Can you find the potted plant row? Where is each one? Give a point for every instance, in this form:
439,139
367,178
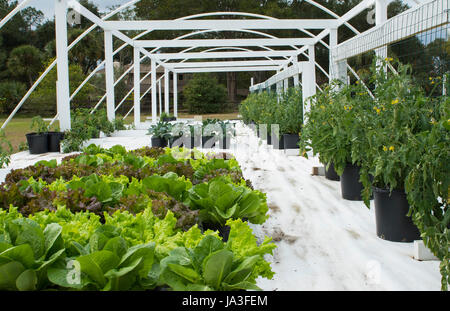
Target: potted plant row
279,118
205,135
42,140
370,141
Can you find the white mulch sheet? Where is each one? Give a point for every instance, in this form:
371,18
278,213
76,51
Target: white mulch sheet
324,242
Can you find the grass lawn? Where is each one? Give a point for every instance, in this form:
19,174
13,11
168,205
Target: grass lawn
19,126
16,129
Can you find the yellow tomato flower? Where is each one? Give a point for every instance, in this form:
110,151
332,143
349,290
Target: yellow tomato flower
391,148
385,148
395,101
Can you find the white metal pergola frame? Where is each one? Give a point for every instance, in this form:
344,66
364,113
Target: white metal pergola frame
287,65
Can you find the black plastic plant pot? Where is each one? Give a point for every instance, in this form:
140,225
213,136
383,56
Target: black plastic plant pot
331,174
54,141
177,141
269,139
278,142
37,143
208,141
351,187
168,119
391,211
291,141
159,142
225,142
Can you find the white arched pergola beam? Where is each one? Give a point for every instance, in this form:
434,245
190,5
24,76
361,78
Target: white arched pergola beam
233,13
183,18
223,24
186,50
218,55
333,14
181,37
209,50
151,30
228,69
223,42
178,38
172,66
204,15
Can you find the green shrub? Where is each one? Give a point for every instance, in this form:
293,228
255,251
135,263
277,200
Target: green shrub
203,94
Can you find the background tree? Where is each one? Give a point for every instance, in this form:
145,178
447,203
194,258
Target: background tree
43,98
11,92
24,63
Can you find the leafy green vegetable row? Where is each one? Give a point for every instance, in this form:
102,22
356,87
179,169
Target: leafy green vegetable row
62,250
136,164
217,200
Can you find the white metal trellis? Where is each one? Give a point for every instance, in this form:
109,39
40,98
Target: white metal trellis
220,59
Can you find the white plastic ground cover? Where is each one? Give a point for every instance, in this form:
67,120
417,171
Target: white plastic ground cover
324,242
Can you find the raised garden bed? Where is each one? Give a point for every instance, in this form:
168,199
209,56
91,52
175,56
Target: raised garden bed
135,211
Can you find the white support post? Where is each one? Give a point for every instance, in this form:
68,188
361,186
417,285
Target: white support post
279,89
160,97
308,86
338,69
166,90
380,17
175,94
137,87
154,91
296,77
296,81
109,75
312,65
286,84
62,84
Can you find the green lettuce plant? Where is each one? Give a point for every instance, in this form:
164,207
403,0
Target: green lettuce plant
106,263
27,252
219,201
213,265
